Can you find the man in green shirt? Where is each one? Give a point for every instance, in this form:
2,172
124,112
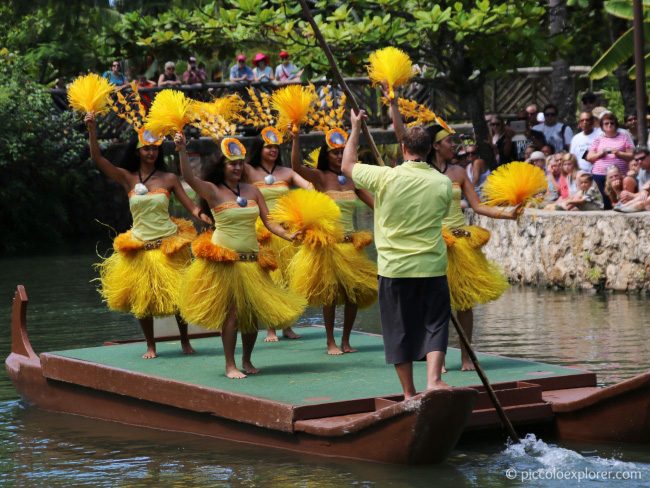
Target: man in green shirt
410,202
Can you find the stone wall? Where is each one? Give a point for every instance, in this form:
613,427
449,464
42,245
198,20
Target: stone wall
586,250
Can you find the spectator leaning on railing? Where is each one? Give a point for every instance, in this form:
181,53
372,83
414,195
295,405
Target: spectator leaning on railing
169,77
115,75
287,72
193,75
240,73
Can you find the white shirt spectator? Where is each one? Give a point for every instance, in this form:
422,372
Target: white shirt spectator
554,133
580,147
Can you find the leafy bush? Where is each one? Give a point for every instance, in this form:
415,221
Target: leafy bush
45,174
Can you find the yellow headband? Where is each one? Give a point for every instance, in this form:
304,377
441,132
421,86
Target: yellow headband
336,138
233,149
271,136
441,135
146,138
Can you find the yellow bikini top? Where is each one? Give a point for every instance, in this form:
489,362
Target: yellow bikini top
346,201
456,218
150,214
235,226
271,193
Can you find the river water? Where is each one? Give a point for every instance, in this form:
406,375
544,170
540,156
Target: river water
607,334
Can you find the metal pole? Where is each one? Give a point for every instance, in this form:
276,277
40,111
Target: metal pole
639,65
340,80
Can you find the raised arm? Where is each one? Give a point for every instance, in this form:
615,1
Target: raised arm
119,175
203,188
300,182
296,161
350,152
396,117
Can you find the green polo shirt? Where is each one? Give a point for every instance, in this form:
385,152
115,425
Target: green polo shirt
410,202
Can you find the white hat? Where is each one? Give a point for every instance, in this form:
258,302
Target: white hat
536,155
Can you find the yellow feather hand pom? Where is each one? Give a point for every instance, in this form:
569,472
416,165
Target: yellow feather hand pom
312,213
514,183
89,93
391,66
293,104
169,113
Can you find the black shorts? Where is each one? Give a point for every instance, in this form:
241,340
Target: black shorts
415,314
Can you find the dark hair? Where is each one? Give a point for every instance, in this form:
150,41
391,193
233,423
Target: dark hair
551,146
432,130
417,141
255,158
323,162
608,116
547,106
589,97
214,172
641,149
589,176
131,159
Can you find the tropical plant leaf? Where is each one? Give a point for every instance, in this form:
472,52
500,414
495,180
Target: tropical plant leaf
617,54
623,8
632,71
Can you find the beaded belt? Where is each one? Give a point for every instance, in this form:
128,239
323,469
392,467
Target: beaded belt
347,238
460,233
247,256
151,245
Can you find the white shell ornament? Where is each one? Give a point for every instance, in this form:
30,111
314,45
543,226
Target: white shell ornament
342,179
140,189
269,179
241,201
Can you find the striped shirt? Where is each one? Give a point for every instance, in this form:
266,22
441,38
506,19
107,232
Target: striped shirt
620,142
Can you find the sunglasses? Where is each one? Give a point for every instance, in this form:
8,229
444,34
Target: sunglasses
640,159
585,120
550,114
116,66
495,124
471,153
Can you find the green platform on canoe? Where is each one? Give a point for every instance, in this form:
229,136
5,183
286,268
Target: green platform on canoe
299,372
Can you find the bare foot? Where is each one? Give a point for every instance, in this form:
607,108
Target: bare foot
289,333
348,348
467,366
249,368
333,350
271,336
234,374
444,369
437,385
187,348
150,354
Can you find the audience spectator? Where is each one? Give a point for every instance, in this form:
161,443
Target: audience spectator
589,101
523,138
613,184
115,75
531,114
240,73
477,170
557,134
530,149
639,201
569,169
548,150
168,77
639,166
581,142
553,174
612,147
193,75
262,72
642,155
631,124
143,82
587,197
501,139
537,158
286,71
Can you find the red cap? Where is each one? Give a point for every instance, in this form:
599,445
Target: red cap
284,54
241,57
260,57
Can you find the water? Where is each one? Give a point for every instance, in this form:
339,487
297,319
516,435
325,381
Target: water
606,334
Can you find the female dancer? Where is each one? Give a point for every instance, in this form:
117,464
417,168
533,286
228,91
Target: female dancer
228,286
475,279
264,170
357,278
143,275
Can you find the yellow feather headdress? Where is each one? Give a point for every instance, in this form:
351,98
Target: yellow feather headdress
293,104
129,106
391,66
169,113
514,183
258,112
217,118
414,113
89,93
332,111
312,159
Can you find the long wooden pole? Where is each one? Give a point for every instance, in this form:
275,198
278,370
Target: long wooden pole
339,78
639,69
486,383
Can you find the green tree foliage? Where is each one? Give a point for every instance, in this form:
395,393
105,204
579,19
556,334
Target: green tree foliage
44,177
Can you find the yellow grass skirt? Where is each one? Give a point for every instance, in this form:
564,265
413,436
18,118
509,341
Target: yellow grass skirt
472,278
283,251
144,278
334,274
218,280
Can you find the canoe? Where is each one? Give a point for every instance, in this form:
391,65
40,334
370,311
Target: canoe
306,401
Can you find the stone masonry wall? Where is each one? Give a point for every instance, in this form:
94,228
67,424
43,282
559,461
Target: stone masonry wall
601,250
